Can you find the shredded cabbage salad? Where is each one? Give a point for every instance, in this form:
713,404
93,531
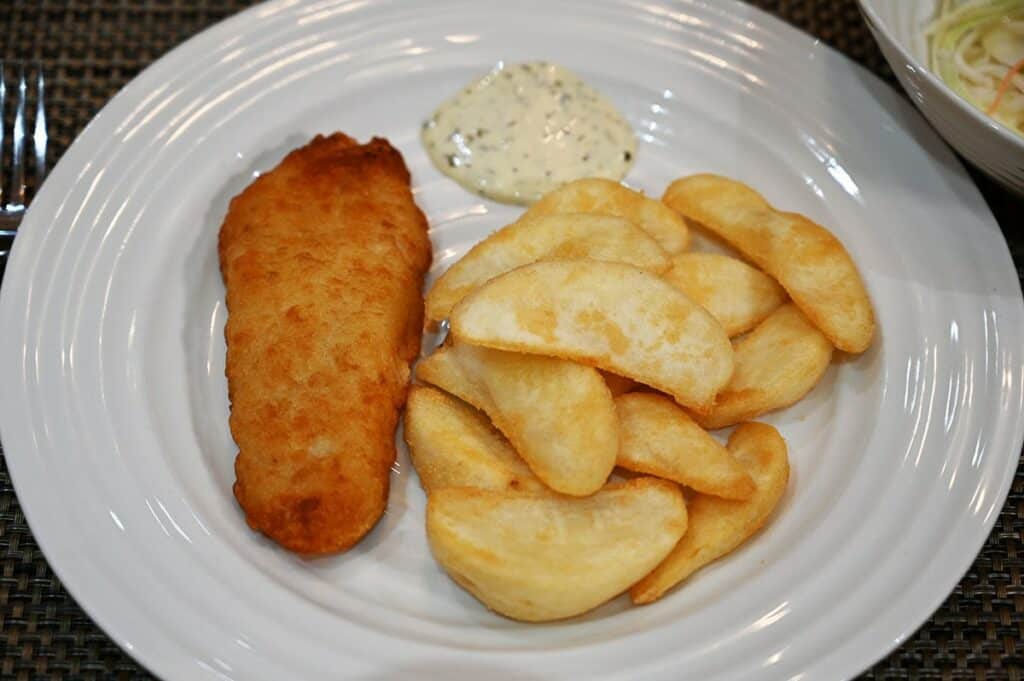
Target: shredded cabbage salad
977,47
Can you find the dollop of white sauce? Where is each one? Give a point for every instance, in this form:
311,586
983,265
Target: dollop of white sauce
525,129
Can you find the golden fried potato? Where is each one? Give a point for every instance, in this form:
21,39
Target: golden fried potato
717,526
569,235
558,415
609,315
454,445
659,438
808,260
736,294
776,365
607,197
619,385
442,369
538,558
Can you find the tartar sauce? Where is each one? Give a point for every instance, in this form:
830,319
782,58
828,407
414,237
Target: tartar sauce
524,129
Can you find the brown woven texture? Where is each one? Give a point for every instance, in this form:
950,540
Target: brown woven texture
91,48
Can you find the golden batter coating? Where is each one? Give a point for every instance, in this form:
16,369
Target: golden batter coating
323,259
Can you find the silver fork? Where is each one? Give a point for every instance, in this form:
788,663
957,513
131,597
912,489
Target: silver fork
14,198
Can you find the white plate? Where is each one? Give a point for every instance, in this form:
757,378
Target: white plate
114,410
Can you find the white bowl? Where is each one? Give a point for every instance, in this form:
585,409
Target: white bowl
898,27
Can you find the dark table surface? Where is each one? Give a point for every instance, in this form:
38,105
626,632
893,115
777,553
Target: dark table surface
91,48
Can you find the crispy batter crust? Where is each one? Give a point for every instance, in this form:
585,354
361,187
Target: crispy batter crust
323,259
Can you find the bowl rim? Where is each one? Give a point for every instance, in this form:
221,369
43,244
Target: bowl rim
875,23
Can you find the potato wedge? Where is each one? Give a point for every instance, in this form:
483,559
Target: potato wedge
558,415
612,316
736,294
569,235
607,197
717,526
539,558
451,444
776,365
659,438
808,260
442,369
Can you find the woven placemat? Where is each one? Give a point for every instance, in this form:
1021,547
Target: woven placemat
91,48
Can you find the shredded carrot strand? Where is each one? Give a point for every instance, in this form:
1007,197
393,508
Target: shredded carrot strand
1004,85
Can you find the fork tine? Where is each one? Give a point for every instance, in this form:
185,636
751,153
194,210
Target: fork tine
3,95
18,145
39,136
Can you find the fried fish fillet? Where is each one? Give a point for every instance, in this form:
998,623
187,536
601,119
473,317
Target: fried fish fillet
323,260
